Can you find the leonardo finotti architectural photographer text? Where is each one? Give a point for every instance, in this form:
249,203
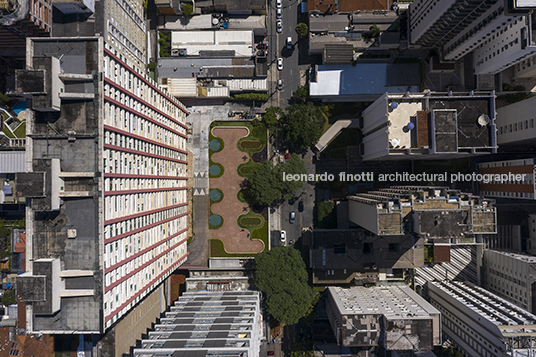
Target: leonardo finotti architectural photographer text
408,177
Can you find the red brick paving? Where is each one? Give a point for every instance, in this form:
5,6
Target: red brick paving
230,208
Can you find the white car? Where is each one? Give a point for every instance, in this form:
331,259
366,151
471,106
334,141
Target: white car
279,26
278,3
280,64
278,13
283,236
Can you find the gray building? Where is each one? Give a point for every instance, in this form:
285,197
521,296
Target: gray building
429,125
391,317
512,276
480,323
204,323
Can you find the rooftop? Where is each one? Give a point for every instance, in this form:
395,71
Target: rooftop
369,80
240,43
347,5
489,306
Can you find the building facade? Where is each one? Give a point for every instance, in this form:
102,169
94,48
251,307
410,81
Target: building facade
516,123
497,36
392,317
430,212
479,323
523,189
206,323
107,180
429,126
512,276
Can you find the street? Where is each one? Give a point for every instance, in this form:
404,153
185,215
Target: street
290,73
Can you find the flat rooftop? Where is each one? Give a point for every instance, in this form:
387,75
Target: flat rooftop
372,79
347,5
195,42
393,301
184,67
486,304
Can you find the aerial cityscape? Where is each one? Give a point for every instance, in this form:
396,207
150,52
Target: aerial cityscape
245,178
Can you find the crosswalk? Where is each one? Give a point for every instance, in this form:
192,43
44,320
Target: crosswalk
201,183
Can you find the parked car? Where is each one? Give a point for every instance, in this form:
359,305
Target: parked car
279,26
279,4
280,64
287,154
300,206
292,217
280,83
278,13
283,236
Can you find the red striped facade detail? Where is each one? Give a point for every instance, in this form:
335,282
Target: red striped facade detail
141,267
108,52
141,229
141,252
145,213
132,151
156,122
130,94
125,304
123,132
126,192
113,175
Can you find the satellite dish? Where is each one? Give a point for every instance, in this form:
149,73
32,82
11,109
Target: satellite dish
483,120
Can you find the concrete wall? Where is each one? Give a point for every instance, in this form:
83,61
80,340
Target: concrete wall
364,215
515,114
121,337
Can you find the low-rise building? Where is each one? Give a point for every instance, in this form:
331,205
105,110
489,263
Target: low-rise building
391,317
480,323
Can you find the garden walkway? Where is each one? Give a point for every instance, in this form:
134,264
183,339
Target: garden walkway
234,238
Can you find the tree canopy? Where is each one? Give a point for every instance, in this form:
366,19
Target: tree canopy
302,29
272,116
302,125
281,275
187,9
266,186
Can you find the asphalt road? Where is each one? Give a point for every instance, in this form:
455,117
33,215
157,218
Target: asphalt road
278,43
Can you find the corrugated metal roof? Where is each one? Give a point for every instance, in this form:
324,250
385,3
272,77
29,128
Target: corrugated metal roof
12,161
246,84
182,87
217,92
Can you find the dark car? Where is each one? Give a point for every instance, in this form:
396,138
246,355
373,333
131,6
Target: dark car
300,206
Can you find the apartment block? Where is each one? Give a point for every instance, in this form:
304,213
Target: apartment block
434,213
106,180
522,189
392,317
498,33
479,323
208,323
515,123
512,276
429,126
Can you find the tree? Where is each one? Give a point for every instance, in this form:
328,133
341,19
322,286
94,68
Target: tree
187,10
302,29
281,275
165,44
9,297
303,125
272,116
302,93
266,186
325,213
